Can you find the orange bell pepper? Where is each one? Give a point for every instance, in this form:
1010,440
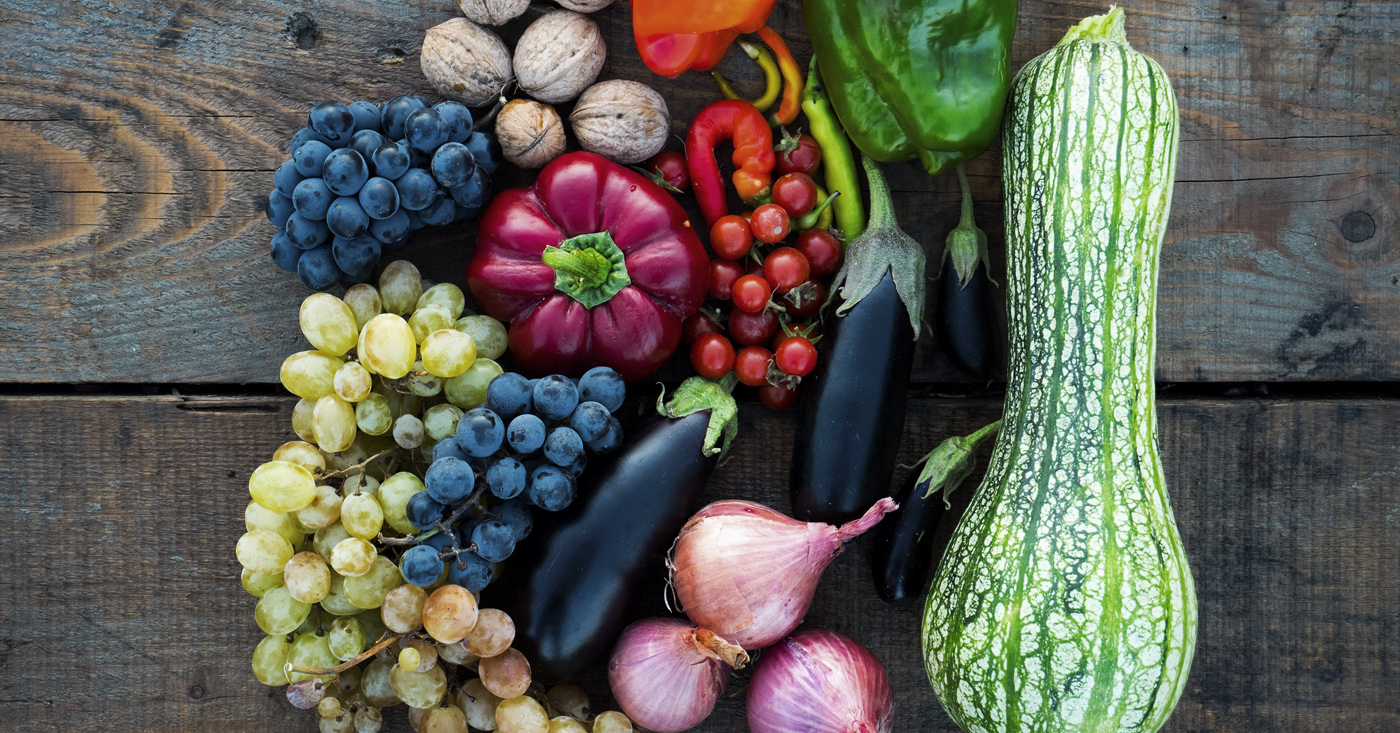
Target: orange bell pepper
676,36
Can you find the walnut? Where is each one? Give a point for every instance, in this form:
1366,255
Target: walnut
530,134
559,55
585,6
465,62
493,12
626,121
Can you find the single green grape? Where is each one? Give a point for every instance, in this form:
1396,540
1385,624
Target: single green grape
255,516
347,638
468,389
443,720
361,515
353,557
311,650
441,421
258,584
353,382
373,415
335,602
278,612
326,538
521,714
263,552
400,286
409,659
301,453
478,703
310,374
323,511
565,724
303,419
329,707
328,323
402,609
419,689
489,335
428,319
270,660
612,721
456,653
387,346
334,423
280,486
368,720
408,432
307,577
374,684
444,294
369,620
360,483
363,300
367,591
448,352
394,494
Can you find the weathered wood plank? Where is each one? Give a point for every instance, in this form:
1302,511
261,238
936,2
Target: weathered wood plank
140,139
120,606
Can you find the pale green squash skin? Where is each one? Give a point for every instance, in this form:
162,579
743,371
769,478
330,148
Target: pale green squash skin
1064,601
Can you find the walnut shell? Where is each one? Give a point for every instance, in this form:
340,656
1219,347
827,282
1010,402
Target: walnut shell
559,55
530,134
493,12
465,62
626,121
585,6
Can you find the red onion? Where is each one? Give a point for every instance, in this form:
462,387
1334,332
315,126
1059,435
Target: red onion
820,682
747,572
666,674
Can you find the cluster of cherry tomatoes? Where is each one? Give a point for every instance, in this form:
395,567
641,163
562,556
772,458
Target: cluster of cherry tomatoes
765,292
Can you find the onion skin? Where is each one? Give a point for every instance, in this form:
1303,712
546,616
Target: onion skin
820,682
666,674
748,572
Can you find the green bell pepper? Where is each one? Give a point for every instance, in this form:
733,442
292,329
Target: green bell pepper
915,78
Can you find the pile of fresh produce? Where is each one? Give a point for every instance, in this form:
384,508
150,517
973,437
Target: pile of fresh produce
362,176
420,467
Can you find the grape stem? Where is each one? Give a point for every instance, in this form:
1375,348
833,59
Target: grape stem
347,469
347,664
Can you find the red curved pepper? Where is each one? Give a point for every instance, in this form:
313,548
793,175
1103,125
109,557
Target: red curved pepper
737,121
592,265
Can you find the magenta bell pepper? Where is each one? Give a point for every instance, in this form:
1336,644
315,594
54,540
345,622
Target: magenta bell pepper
594,265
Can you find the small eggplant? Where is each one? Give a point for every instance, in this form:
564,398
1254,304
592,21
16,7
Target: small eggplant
570,586
967,322
903,551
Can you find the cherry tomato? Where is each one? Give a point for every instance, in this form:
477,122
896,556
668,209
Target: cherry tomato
805,158
770,223
751,293
752,329
796,193
670,165
796,356
696,325
785,268
723,273
805,300
731,237
751,365
712,355
777,398
822,251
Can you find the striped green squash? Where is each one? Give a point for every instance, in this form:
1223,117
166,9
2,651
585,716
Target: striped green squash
1064,601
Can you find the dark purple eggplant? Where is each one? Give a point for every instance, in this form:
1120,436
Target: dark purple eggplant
570,585
852,413
903,552
967,320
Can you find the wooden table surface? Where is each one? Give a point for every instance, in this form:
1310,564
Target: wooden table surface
141,327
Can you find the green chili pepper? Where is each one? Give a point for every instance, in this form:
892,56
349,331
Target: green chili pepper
916,78
838,164
772,76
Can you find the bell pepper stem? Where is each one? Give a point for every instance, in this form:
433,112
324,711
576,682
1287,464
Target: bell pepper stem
588,268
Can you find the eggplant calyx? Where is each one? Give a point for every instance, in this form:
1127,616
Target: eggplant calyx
589,268
948,465
967,244
696,394
882,247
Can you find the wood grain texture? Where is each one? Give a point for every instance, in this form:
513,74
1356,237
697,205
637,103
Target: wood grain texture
122,610
140,139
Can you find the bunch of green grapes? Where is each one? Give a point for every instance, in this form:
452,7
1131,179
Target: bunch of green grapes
392,372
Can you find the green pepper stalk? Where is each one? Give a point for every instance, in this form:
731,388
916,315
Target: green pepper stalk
881,248
814,217
966,245
838,163
772,77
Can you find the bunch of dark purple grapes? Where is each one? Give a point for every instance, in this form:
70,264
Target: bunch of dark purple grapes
362,176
